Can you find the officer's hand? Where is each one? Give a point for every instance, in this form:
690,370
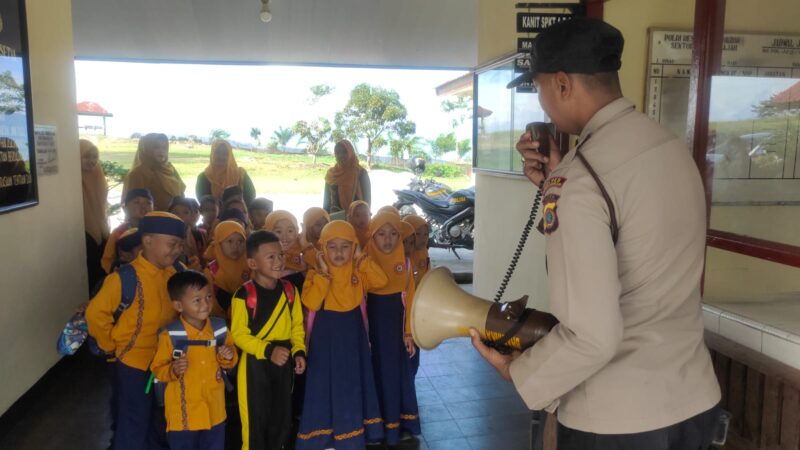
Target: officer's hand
279,356
501,362
299,365
180,366
535,165
226,352
408,341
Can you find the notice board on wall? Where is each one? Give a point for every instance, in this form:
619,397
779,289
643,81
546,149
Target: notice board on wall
754,120
17,161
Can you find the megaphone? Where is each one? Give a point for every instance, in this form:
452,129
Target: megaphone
442,310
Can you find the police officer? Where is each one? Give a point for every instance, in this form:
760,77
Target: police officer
624,219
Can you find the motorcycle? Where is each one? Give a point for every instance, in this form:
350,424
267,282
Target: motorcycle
450,215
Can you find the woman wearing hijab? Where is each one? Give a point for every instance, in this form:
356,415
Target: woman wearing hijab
223,172
152,171
95,198
345,182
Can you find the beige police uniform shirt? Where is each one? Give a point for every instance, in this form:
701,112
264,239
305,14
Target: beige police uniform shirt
628,355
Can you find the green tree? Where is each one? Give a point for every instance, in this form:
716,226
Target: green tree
115,176
318,91
219,133
372,113
12,94
444,143
255,133
315,135
464,148
459,108
403,140
282,135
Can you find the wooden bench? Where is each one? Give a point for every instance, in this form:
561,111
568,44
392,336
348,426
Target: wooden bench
762,395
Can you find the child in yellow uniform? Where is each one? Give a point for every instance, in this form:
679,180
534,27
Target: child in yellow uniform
138,202
389,312
267,325
209,210
130,332
258,210
313,221
420,260
191,361
358,214
193,245
284,225
229,270
341,407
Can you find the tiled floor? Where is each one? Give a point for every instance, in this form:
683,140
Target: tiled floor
464,405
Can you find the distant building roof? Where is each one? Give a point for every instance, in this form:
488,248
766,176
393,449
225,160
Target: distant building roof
790,95
92,109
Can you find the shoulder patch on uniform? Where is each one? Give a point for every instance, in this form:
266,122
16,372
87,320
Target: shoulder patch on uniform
549,213
554,182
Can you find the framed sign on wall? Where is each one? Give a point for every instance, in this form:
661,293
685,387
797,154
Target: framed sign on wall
17,159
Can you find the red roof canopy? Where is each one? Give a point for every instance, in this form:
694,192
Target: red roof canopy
92,109
791,95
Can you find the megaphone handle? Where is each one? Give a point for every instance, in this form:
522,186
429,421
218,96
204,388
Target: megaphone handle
514,328
526,231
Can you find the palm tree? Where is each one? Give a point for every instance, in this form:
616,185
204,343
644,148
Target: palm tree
255,133
283,135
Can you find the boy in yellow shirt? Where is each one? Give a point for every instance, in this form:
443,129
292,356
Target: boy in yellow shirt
267,325
126,327
193,352
138,202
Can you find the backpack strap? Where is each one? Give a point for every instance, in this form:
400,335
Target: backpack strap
288,289
252,297
220,328
128,280
180,338
178,266
177,335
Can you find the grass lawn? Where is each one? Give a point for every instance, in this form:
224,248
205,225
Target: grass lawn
273,173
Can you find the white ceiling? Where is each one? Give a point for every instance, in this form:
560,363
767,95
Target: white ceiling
404,33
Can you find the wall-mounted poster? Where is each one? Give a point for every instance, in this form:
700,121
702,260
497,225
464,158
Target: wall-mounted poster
17,162
754,117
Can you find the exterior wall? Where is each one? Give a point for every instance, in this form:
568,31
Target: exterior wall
42,271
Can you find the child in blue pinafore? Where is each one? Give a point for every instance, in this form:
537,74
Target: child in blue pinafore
341,407
389,311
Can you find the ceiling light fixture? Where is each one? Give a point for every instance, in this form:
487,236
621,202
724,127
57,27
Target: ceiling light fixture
265,15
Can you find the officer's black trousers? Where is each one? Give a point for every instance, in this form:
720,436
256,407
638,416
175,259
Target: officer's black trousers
694,433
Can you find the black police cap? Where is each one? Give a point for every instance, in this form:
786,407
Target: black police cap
579,45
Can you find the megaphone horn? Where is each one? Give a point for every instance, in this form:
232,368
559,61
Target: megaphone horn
442,310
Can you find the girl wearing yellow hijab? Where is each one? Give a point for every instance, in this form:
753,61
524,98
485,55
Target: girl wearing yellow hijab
229,270
284,225
420,261
152,171
313,221
389,311
341,406
95,200
223,172
358,214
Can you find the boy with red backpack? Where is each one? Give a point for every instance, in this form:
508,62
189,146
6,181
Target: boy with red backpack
267,325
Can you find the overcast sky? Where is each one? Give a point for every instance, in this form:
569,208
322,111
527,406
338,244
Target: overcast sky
184,99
